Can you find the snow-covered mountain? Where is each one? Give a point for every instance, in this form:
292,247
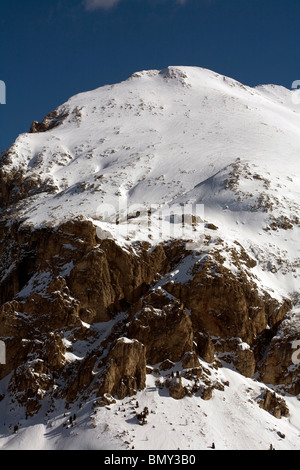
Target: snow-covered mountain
179,136
170,197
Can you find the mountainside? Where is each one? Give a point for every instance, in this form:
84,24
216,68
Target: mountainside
149,260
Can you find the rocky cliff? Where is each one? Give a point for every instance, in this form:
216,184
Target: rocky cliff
62,285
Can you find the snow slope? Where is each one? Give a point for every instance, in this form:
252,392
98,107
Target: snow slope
232,420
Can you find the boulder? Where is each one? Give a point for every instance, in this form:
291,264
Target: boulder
274,404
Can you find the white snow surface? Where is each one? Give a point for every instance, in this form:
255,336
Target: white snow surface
181,137
232,420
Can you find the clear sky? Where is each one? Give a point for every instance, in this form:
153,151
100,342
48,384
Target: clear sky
53,49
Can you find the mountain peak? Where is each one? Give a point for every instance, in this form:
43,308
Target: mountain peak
150,241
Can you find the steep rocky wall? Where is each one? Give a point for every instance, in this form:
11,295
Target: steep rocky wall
56,283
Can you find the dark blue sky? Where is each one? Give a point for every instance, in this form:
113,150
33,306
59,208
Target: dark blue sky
51,50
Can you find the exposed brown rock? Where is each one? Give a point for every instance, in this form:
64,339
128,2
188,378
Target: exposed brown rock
239,353
106,400
33,378
205,346
207,393
53,279
166,365
281,364
53,119
190,360
176,388
225,305
163,327
78,377
245,361
125,370
274,404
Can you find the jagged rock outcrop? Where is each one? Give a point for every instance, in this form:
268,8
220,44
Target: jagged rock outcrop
225,305
57,281
237,352
205,346
176,389
52,120
125,369
43,361
281,363
164,327
16,184
108,278
274,404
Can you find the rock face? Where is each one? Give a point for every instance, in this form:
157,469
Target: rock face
59,282
164,327
274,404
281,364
227,306
53,119
125,369
60,279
